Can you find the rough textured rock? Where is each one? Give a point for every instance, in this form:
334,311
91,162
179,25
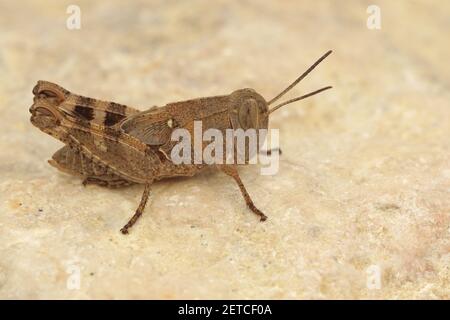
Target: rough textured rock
364,177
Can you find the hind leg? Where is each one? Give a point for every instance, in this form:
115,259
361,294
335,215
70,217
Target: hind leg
74,162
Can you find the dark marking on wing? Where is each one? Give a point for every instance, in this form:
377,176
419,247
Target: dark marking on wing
86,112
114,113
112,118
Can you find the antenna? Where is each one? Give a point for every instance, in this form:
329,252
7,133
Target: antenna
297,99
300,78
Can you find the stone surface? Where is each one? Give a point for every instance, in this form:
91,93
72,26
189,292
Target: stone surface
364,179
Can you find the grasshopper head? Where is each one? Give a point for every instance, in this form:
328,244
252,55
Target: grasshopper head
248,110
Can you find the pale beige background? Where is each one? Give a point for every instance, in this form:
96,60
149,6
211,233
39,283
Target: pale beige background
364,178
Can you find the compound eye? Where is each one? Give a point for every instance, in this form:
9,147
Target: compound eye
248,114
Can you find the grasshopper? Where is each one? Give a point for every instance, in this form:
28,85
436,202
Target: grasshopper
114,145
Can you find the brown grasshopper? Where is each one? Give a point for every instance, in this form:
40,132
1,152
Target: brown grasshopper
113,145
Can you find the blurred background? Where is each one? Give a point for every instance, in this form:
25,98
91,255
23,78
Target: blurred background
359,209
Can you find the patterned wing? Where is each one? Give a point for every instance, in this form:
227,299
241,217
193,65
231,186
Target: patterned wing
102,113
